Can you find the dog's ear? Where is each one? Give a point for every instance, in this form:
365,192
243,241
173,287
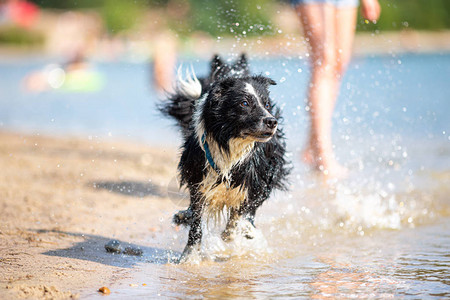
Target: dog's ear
265,80
271,81
216,63
242,64
242,61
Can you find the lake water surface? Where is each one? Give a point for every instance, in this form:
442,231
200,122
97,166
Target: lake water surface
382,232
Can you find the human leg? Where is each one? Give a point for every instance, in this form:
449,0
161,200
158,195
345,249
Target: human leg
319,28
330,44
345,23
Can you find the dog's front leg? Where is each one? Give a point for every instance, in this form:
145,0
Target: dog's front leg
194,240
230,229
195,232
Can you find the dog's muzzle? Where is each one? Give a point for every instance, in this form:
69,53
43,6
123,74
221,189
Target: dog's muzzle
270,123
268,129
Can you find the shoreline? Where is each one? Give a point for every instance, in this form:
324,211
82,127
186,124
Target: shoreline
290,44
62,199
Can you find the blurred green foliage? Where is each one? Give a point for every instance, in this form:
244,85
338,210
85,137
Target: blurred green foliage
120,15
414,14
215,17
219,17
20,36
82,4
238,18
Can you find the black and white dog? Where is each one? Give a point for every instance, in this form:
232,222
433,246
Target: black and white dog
233,154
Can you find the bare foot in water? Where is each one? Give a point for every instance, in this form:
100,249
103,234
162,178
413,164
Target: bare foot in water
326,164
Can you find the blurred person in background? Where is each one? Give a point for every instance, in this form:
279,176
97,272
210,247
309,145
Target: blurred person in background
329,27
164,60
18,12
71,41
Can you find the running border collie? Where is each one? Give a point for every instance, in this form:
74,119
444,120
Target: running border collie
233,154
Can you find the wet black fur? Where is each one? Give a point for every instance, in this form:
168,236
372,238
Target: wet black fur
265,168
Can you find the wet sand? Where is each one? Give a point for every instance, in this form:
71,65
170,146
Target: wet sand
63,199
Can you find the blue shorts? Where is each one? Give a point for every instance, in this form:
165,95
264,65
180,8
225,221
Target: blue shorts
337,3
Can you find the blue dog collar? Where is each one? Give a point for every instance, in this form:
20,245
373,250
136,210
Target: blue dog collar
208,154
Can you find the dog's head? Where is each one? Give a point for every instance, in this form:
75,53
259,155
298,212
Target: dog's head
239,108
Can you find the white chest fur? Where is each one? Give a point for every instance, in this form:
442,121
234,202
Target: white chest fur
220,196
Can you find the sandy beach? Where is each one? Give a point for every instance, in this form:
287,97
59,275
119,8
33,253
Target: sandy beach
63,199
290,44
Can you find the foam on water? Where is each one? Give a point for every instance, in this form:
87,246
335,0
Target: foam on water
308,213
349,208
214,248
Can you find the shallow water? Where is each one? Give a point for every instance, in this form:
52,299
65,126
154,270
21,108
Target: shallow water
411,263
314,244
383,232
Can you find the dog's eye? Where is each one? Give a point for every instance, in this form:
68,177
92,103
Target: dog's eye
267,106
244,103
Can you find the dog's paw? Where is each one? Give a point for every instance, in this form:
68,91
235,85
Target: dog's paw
183,217
243,228
249,236
228,234
248,229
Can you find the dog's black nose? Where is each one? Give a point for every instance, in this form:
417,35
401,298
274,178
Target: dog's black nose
270,122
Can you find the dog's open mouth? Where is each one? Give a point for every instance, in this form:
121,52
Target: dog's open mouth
267,134
263,136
